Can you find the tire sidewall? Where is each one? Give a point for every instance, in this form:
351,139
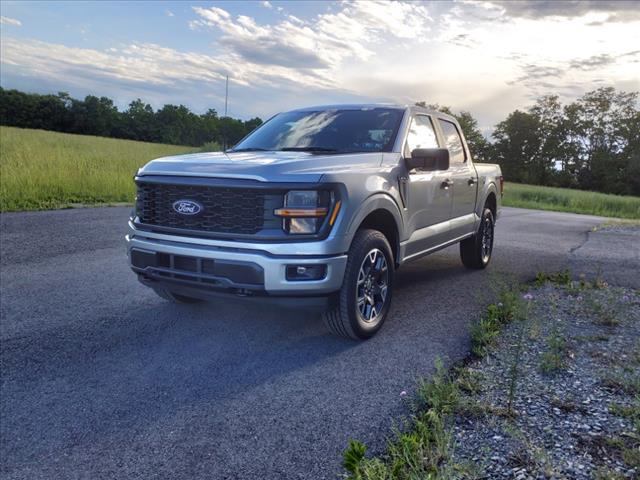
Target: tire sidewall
486,213
377,240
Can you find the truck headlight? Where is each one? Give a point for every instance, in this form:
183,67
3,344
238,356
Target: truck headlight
304,211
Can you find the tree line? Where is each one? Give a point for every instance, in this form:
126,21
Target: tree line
592,143
174,124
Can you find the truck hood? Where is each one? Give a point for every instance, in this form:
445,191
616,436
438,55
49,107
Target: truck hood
262,166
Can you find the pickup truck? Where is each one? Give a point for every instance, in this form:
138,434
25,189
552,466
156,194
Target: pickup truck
317,208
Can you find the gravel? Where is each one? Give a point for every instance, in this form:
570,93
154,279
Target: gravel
561,425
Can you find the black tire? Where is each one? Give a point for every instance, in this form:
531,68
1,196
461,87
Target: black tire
476,251
368,275
174,297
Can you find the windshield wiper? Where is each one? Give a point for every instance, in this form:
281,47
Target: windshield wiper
308,149
248,150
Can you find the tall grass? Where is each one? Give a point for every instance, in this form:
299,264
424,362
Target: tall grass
567,200
43,170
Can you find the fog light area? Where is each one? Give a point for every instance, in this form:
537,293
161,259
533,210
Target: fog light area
306,272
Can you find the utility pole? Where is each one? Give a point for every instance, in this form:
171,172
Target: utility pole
226,101
226,96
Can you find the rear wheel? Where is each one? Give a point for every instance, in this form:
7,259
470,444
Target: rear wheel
476,251
175,297
365,297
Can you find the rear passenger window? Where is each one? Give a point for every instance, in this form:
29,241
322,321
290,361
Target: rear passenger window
421,134
453,141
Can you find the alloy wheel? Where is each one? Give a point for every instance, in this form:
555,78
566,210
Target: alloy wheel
372,286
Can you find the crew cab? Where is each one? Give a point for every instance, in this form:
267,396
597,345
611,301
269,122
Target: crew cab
318,207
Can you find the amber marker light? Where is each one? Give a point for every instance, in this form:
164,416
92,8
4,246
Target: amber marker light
334,215
300,212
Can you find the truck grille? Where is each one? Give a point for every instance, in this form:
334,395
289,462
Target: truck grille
224,210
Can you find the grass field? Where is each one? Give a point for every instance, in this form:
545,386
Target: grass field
43,170
567,200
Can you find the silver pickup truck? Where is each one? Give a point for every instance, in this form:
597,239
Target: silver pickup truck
317,207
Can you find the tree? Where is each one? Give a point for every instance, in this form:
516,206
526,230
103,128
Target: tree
517,146
140,121
602,130
94,116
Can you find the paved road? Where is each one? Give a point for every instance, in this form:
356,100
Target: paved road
102,379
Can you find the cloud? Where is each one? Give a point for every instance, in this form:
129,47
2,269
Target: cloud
614,10
142,65
462,40
323,42
267,4
169,13
10,21
593,62
537,77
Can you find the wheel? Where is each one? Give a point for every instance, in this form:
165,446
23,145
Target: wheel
365,297
476,251
174,297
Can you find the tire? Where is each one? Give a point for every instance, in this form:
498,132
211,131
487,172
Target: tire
363,302
174,297
476,251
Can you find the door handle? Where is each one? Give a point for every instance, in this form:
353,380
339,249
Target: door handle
471,181
446,184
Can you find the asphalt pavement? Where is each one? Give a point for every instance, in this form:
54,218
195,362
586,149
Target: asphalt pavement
100,378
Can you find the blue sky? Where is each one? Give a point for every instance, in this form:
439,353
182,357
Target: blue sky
486,57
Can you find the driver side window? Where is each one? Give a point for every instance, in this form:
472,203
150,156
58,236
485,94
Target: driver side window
421,134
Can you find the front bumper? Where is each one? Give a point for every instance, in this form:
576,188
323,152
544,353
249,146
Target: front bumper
222,267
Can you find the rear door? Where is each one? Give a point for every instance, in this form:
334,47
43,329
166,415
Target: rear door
429,200
464,178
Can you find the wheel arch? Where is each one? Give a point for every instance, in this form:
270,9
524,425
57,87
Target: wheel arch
490,198
380,213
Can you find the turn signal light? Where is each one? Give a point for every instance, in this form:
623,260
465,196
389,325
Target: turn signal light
300,212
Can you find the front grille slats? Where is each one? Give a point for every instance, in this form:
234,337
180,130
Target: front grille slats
225,210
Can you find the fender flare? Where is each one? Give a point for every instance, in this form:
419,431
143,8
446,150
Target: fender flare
377,201
486,191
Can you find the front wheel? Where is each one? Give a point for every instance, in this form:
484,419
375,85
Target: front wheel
476,251
365,297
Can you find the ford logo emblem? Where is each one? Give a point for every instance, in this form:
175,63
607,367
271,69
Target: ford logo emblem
187,207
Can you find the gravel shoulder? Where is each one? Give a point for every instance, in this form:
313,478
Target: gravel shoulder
576,402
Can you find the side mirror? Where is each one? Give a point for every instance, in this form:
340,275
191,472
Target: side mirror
429,159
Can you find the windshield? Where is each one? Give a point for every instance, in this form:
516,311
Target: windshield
338,131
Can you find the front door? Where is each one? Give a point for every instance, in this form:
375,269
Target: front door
429,195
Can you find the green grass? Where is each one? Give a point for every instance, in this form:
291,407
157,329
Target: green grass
44,170
568,200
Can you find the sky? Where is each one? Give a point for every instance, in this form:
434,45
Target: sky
485,57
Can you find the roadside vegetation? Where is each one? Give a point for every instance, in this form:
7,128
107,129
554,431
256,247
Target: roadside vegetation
549,391
567,200
45,170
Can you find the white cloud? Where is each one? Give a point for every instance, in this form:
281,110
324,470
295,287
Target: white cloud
142,63
267,4
324,42
169,13
10,21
